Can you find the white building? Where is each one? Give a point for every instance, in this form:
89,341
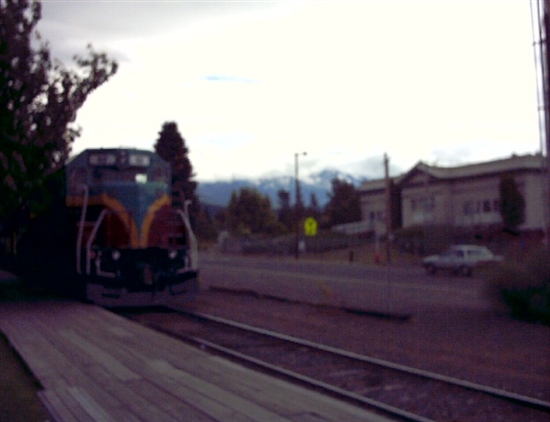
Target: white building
467,195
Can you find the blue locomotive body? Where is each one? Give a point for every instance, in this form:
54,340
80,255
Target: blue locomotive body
131,246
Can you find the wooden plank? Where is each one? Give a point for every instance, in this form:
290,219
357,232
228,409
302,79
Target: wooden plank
132,400
102,384
280,396
240,406
84,407
145,340
114,366
209,397
56,407
40,357
177,408
216,410
143,346
259,390
87,403
120,332
63,404
108,366
68,366
188,398
137,404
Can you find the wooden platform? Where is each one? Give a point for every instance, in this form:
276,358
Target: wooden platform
97,366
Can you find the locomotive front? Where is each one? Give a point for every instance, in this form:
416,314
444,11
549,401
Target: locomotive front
132,247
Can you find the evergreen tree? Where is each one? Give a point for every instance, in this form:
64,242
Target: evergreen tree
314,210
39,100
250,212
298,209
344,205
205,227
285,213
512,203
171,147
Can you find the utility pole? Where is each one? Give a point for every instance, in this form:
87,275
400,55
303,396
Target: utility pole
545,64
388,216
388,234
298,204
540,19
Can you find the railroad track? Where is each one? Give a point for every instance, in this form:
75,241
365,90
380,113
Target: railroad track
399,391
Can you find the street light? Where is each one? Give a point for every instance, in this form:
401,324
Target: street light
297,204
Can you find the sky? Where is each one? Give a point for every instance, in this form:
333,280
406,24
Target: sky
250,84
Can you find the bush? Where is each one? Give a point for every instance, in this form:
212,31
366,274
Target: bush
523,288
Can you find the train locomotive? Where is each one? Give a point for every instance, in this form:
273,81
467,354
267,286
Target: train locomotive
118,238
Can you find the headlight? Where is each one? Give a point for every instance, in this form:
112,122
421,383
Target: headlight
172,254
115,255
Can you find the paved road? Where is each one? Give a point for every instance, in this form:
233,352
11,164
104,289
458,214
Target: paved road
399,290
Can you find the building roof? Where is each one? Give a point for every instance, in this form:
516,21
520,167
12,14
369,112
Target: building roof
513,163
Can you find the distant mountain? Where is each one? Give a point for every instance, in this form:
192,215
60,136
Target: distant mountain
219,192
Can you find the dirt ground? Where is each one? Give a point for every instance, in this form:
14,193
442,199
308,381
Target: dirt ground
478,346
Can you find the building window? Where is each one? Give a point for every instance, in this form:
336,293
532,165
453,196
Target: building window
428,204
372,216
469,208
496,205
486,206
424,204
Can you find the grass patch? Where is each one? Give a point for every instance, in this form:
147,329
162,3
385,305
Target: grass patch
366,254
18,401
17,290
18,398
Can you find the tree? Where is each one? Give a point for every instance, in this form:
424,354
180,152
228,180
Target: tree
313,210
512,203
205,227
344,205
39,100
171,147
250,212
285,212
298,209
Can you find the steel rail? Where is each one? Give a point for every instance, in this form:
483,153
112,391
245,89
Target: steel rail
335,392
523,400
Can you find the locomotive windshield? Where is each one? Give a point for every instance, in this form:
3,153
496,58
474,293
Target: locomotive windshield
128,175
107,167
122,159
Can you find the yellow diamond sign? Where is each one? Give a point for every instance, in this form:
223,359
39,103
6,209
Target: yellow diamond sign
310,226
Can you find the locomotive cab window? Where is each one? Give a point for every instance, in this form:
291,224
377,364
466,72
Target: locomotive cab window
113,175
102,159
139,160
141,178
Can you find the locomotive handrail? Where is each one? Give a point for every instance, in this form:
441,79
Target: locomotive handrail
81,229
193,249
103,213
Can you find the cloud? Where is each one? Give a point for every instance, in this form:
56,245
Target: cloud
226,78
250,84
70,25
